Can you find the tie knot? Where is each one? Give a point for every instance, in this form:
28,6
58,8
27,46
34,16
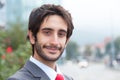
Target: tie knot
59,77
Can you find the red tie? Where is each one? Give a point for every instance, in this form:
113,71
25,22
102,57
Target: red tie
59,77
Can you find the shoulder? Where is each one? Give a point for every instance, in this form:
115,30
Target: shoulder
21,74
30,71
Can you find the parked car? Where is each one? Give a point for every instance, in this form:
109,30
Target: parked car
83,62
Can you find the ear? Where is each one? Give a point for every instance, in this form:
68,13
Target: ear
31,37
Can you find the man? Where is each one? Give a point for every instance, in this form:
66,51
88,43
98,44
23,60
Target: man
50,27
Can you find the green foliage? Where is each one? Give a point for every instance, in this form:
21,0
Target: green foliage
116,44
98,53
17,35
87,51
14,61
107,48
13,36
72,50
10,62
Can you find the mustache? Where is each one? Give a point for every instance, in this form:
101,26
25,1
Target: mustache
52,47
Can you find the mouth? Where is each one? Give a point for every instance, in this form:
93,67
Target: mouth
52,49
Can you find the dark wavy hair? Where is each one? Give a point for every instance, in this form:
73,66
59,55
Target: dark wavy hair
38,15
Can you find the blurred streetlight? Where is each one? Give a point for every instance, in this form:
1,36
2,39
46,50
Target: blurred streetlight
112,50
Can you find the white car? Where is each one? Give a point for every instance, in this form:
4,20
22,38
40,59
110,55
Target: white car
83,63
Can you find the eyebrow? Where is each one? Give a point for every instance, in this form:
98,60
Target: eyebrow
47,29
61,30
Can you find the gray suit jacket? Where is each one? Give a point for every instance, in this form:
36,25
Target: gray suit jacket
30,71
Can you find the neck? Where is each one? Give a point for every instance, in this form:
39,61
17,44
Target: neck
51,64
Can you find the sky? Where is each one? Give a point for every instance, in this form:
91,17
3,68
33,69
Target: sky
94,19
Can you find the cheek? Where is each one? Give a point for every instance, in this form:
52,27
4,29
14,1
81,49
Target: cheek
42,39
63,42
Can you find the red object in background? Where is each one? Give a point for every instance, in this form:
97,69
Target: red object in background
9,49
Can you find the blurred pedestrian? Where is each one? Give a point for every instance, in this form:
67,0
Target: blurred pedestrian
50,27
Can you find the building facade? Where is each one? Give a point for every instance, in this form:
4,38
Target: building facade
2,14
19,10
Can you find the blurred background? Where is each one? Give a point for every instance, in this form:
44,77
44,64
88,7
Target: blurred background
93,52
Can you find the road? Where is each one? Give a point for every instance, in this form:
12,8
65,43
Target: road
95,71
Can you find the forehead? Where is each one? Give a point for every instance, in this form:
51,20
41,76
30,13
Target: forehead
55,22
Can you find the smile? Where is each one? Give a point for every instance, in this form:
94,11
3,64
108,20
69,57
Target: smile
52,49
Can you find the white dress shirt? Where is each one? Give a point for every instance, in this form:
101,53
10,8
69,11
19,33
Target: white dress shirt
49,71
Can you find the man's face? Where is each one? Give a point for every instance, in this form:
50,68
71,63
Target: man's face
51,38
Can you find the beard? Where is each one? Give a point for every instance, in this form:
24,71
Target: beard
44,56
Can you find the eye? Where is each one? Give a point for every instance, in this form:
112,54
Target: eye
46,32
62,34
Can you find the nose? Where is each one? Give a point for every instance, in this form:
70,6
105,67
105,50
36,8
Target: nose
54,40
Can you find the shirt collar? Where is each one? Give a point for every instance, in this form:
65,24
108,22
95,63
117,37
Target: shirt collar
49,71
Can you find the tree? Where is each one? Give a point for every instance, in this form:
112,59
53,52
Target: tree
108,48
16,35
88,51
98,53
71,50
117,45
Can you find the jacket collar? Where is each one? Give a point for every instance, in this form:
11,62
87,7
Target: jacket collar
36,71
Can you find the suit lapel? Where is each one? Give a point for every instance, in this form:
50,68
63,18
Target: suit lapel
36,71
67,77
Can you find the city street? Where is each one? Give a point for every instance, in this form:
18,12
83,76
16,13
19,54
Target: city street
92,72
